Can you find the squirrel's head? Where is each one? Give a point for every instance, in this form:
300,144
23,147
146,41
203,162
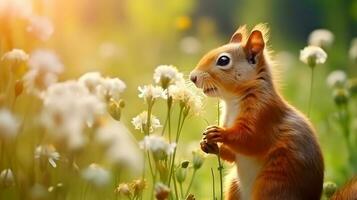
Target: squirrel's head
227,69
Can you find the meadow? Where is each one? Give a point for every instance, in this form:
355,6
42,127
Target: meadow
96,102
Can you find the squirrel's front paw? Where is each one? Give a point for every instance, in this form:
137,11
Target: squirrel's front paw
211,148
214,134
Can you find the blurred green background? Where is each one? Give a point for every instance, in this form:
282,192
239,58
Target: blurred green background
129,38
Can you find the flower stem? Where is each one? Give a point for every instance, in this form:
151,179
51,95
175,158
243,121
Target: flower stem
191,181
153,185
220,166
213,185
311,91
150,165
220,169
148,122
181,190
181,121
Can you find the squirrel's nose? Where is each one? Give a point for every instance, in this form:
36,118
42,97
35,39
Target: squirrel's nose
193,78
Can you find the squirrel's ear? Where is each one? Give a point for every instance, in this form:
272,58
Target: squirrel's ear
254,46
239,35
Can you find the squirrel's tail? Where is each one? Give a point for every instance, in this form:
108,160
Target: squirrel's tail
347,192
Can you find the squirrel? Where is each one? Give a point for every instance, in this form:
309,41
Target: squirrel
272,144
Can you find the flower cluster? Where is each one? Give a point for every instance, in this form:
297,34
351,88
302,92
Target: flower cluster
321,37
150,93
104,87
141,120
166,75
312,55
96,175
44,68
187,98
158,146
68,108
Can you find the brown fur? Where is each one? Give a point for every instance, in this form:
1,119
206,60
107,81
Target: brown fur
266,129
348,192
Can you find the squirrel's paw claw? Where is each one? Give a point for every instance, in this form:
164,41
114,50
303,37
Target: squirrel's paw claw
210,148
213,134
213,137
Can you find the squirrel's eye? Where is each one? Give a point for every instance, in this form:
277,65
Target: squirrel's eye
223,61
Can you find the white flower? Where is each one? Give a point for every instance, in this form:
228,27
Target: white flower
41,27
157,145
68,107
353,50
321,38
44,68
186,98
195,104
106,88
7,177
166,75
91,80
96,175
336,78
47,152
313,55
112,88
119,141
150,92
15,56
9,124
45,60
140,121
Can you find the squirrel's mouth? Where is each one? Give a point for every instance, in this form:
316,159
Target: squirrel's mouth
210,91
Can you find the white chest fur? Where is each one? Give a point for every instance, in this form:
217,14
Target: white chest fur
247,167
230,112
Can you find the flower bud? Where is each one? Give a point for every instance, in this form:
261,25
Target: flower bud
181,174
121,103
124,189
197,160
165,82
138,186
7,178
19,87
329,189
340,96
161,191
311,61
114,110
185,163
190,197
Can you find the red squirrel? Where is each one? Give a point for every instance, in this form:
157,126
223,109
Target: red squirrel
273,145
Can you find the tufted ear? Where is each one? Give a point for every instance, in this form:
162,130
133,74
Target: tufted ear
240,35
254,46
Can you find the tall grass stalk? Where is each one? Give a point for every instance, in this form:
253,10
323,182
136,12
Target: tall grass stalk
311,91
213,185
220,166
